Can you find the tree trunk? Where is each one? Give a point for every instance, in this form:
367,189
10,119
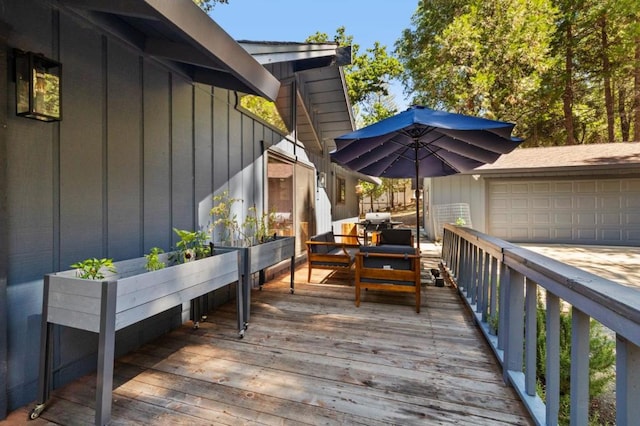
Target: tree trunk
606,72
636,93
625,119
567,97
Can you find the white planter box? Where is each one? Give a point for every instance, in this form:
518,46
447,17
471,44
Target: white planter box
139,294
260,256
122,299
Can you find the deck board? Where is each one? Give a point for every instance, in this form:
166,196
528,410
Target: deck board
310,358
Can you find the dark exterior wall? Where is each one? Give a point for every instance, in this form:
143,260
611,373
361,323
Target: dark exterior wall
141,149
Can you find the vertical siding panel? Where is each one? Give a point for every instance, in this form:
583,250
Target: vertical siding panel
248,168
235,159
157,162
81,172
260,178
182,154
29,203
123,152
220,139
203,154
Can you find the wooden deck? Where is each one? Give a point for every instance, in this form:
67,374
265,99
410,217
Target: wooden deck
308,358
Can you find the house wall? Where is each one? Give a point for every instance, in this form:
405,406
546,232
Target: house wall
141,149
454,189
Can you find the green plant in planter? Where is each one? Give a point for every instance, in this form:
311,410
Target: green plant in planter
224,219
153,259
255,229
92,268
192,246
259,229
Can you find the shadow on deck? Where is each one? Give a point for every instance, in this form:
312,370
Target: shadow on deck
308,358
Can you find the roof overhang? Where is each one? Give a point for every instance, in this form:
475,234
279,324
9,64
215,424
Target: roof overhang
621,158
178,31
315,85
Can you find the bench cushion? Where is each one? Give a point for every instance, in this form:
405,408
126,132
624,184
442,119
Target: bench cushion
393,263
320,248
396,237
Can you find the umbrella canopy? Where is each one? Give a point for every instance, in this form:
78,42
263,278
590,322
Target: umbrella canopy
422,142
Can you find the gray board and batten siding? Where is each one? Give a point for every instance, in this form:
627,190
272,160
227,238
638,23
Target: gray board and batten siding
140,149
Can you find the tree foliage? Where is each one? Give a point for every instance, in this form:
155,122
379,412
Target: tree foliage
565,71
367,77
208,5
601,359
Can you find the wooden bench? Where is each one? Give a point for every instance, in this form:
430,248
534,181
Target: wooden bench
324,252
394,268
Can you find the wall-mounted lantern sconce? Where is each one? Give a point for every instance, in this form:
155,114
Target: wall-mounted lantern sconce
322,180
38,81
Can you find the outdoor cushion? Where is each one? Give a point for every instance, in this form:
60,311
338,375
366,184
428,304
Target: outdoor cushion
320,248
396,237
390,262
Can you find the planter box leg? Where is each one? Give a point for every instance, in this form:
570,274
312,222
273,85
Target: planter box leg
46,357
293,272
106,346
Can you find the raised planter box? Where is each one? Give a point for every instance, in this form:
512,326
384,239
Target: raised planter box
256,258
122,299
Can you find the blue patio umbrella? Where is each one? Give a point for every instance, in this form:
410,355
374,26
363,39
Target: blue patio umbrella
421,142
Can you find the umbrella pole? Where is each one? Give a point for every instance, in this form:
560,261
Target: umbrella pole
415,143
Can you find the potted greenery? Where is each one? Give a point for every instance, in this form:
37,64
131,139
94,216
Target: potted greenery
103,296
255,239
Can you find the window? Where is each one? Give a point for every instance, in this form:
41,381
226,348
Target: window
341,190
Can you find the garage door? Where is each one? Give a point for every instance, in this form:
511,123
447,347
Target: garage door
602,211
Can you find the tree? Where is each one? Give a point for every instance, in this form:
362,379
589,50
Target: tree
478,57
566,71
208,5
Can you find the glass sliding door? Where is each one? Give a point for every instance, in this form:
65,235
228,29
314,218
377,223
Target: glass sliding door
305,204
291,198
280,195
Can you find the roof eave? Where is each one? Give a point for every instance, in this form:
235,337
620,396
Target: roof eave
187,36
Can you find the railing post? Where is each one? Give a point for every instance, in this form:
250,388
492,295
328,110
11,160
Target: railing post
530,337
627,382
552,374
484,293
502,305
579,368
494,287
475,275
514,324
464,266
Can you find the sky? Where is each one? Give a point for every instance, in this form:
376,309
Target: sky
367,21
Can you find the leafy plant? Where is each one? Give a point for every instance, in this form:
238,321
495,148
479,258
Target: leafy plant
259,228
153,259
601,360
192,245
93,268
224,219
461,222
255,229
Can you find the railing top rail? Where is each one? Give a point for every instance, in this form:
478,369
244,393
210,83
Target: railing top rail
613,304
489,244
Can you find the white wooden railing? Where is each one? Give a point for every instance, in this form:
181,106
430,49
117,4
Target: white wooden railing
477,263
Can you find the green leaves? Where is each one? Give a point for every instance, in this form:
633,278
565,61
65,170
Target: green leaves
153,259
94,268
192,245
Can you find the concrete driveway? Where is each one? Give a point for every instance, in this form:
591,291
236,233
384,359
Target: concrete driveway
619,264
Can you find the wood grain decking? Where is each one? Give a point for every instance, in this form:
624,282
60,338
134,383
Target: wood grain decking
308,358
